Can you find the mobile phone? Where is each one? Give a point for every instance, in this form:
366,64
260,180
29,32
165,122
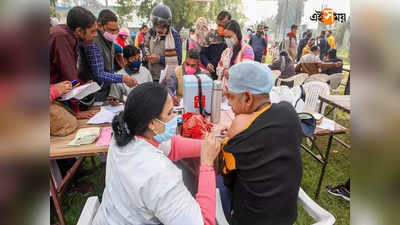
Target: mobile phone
74,82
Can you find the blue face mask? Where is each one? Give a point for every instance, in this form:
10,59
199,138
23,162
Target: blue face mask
169,130
135,66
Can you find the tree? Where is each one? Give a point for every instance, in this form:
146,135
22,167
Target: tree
235,7
52,8
124,9
186,12
145,8
289,12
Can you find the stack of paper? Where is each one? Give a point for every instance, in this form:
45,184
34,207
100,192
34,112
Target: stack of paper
106,114
327,124
81,91
85,136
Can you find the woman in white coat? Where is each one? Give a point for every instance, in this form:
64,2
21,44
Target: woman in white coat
143,185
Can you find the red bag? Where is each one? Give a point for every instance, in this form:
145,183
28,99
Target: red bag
195,126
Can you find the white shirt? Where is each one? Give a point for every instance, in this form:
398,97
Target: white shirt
310,58
118,90
144,187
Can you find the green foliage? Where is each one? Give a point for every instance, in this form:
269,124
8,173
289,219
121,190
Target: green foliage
124,9
52,8
145,8
186,12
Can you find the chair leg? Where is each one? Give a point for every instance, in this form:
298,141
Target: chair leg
334,115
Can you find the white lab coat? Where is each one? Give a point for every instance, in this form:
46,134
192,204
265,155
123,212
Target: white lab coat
144,187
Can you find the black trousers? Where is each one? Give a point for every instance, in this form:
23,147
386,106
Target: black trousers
258,57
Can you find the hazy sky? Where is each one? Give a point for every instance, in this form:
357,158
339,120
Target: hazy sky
256,10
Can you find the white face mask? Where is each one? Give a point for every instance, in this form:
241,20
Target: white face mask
230,42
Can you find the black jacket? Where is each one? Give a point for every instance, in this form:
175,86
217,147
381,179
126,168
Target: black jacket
334,69
302,44
85,74
266,181
324,47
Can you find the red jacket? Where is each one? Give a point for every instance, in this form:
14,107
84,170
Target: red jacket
120,41
63,48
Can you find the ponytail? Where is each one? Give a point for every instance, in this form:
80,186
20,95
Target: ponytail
145,103
122,133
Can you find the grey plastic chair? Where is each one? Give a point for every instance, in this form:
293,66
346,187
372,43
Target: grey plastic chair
334,81
317,77
297,79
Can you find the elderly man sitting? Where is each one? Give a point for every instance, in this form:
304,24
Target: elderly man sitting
263,167
312,64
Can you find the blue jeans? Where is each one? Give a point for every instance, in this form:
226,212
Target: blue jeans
226,196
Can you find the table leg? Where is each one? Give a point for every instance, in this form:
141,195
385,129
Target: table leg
70,173
320,107
56,201
347,88
328,149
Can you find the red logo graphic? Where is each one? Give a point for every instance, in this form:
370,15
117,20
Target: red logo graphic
196,102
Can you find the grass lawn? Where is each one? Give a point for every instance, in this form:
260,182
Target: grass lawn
337,172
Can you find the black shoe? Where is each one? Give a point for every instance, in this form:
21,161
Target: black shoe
340,191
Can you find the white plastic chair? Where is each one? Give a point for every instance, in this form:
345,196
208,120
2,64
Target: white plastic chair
276,73
334,81
320,215
313,90
89,211
297,79
317,77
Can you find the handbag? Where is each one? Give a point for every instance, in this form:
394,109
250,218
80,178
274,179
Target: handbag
62,120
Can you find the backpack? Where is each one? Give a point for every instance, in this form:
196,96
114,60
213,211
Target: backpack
308,124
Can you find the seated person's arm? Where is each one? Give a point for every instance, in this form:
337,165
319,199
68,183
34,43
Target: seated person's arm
238,125
326,65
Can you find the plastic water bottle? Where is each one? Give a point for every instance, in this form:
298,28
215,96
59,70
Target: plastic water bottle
216,101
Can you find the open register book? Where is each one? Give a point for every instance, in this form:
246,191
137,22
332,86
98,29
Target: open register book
81,91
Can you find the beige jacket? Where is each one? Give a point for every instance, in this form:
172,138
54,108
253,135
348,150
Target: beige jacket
291,47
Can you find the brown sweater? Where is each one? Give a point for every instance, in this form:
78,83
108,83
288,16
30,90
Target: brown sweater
311,64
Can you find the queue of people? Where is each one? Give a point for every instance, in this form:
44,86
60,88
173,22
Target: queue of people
262,164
